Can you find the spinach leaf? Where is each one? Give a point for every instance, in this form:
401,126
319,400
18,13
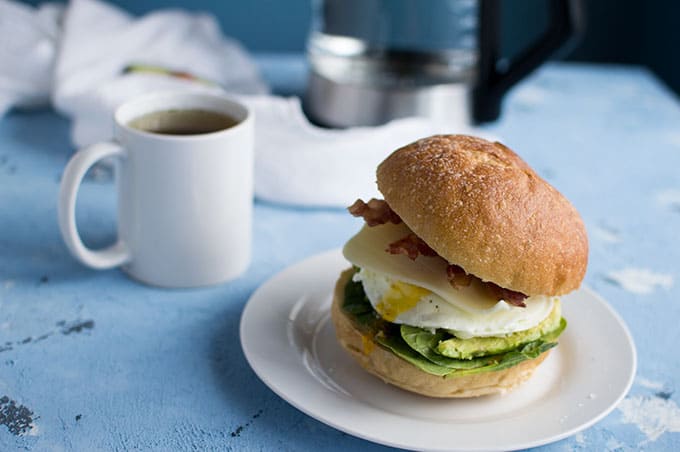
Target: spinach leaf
425,343
400,348
357,305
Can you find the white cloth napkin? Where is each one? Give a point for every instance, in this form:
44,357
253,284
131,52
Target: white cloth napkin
296,162
28,41
99,41
299,163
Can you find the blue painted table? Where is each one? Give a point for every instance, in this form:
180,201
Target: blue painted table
90,360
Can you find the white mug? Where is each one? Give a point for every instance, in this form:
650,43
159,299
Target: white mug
184,201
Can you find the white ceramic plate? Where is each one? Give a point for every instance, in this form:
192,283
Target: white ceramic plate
289,341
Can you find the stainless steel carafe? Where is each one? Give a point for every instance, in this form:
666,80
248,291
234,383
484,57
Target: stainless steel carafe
376,60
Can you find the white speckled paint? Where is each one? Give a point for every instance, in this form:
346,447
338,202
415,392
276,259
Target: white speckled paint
640,280
673,138
613,444
654,416
606,235
649,384
669,198
580,438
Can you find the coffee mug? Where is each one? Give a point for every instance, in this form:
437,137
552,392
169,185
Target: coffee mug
184,172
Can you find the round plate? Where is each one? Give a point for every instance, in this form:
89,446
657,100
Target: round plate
289,341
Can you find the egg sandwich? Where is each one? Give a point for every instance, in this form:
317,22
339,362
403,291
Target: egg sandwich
456,275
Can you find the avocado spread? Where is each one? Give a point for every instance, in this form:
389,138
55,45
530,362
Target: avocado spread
481,346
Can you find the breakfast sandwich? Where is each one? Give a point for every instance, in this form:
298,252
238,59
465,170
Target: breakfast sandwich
457,274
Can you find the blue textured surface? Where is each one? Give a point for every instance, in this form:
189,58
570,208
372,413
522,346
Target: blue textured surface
104,363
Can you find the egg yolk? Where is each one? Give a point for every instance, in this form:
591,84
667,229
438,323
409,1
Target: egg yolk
367,345
399,298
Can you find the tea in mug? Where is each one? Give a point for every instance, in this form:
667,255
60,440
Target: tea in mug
183,122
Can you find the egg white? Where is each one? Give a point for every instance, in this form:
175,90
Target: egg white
431,311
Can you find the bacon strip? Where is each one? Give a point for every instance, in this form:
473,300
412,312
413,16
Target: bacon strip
375,212
457,276
507,295
412,246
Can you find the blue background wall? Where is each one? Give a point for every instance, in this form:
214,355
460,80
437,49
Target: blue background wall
619,31
264,25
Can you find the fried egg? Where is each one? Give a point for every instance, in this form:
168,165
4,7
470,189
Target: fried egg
400,302
417,292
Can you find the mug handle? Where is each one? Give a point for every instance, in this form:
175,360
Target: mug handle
112,256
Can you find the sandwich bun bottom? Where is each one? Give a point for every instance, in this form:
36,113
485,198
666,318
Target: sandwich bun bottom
394,370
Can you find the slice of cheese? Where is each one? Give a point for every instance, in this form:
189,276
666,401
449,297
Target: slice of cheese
367,250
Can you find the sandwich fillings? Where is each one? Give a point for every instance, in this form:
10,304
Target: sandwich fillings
377,212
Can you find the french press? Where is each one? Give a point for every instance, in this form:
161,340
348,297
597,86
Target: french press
376,60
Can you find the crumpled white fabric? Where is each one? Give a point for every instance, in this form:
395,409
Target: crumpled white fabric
28,45
76,56
299,163
99,41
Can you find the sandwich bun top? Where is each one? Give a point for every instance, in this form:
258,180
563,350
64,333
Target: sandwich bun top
480,206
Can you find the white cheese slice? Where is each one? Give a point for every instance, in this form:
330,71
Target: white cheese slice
367,250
